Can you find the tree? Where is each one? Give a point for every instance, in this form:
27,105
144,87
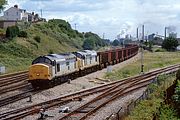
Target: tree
98,42
2,3
115,43
170,44
89,44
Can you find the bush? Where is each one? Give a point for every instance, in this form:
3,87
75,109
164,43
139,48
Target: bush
176,96
37,39
170,44
22,34
12,31
160,50
178,75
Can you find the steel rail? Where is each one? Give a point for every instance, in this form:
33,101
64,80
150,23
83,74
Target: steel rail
60,100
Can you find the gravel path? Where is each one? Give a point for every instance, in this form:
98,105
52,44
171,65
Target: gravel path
76,85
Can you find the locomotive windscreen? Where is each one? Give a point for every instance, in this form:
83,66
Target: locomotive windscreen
42,60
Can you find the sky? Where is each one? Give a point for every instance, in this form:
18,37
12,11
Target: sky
111,17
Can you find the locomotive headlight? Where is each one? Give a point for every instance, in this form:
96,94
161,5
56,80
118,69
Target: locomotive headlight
37,74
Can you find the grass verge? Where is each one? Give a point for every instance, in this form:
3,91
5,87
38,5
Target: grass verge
151,61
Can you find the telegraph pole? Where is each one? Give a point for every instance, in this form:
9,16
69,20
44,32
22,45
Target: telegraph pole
165,31
103,35
141,44
41,13
75,26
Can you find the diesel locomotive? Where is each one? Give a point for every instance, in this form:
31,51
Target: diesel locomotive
50,70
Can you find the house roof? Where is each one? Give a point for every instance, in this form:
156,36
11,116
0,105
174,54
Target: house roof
21,10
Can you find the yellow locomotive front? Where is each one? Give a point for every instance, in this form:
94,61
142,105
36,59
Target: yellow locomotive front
39,72
40,75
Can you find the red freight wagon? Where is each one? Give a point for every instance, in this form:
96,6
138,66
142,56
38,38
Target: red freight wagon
103,58
120,55
113,57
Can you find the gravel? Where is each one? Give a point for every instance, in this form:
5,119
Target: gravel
116,105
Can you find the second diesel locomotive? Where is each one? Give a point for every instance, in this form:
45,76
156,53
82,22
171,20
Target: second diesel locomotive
49,70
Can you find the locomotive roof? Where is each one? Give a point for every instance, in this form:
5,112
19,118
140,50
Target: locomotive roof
61,56
88,52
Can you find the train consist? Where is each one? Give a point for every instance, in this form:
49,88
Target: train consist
49,70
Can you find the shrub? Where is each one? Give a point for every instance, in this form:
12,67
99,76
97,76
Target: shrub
178,75
37,39
12,31
22,34
160,50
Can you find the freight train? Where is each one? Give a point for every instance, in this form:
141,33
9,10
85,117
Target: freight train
50,70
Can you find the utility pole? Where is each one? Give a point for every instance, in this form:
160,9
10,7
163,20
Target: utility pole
75,26
103,35
41,13
165,31
141,44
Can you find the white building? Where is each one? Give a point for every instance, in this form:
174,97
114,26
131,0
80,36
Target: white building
14,13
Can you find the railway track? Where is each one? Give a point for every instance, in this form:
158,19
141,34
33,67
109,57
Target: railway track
110,90
98,102
13,78
14,98
106,97
13,82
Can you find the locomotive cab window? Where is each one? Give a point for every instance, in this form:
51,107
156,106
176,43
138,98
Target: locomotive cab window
67,63
58,67
42,60
90,60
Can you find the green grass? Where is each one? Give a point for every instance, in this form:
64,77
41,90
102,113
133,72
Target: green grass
151,61
54,36
18,53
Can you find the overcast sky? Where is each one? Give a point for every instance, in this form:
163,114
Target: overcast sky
111,17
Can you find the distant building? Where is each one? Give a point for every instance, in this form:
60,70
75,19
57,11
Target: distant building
15,14
31,16
151,37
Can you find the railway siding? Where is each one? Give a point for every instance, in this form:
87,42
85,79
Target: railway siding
61,100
